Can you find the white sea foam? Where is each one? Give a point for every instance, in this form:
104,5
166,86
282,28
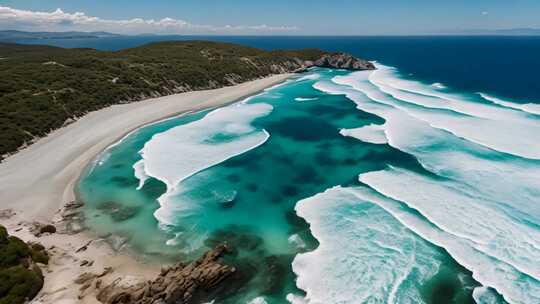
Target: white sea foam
484,295
305,99
532,108
438,85
313,76
505,130
296,241
258,300
140,173
296,299
499,251
372,134
503,187
364,256
512,182
180,152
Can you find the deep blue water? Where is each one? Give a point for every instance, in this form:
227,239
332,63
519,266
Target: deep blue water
503,66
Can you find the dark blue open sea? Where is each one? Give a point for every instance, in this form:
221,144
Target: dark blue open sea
415,183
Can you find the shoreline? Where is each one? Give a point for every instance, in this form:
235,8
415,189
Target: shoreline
69,149
39,181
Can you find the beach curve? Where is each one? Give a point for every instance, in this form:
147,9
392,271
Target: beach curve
40,179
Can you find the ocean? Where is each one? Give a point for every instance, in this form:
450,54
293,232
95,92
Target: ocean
415,183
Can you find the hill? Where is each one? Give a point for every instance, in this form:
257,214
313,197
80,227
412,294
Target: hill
43,88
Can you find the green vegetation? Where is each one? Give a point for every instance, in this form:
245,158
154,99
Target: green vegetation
42,87
20,277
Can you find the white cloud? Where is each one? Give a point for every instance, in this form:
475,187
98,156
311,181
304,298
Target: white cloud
59,20
484,13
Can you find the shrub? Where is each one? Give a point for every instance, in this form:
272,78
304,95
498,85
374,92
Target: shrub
19,284
20,278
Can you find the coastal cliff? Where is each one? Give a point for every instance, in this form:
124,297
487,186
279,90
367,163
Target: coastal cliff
45,88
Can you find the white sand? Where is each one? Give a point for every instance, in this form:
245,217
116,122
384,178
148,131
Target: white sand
39,180
65,264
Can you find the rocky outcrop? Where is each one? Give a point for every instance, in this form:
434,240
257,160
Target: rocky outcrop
343,61
182,284
47,228
70,219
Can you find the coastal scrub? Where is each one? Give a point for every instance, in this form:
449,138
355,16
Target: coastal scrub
20,277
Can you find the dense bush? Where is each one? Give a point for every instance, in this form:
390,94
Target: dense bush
20,278
19,284
41,87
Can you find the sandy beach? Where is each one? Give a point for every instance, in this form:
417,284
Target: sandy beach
38,181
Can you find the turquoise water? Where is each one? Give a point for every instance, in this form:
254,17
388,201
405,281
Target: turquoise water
337,187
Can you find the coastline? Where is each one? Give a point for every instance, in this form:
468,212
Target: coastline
38,181
57,160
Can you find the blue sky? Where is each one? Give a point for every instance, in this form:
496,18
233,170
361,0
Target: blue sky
284,17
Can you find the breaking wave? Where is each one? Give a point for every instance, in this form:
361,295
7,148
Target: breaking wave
364,256
305,99
311,76
181,152
483,205
532,108
372,134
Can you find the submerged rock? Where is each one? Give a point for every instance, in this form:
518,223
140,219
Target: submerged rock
226,199
70,219
275,269
117,211
178,284
239,237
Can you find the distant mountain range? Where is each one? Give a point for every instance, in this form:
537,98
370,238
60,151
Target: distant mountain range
504,32
12,35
